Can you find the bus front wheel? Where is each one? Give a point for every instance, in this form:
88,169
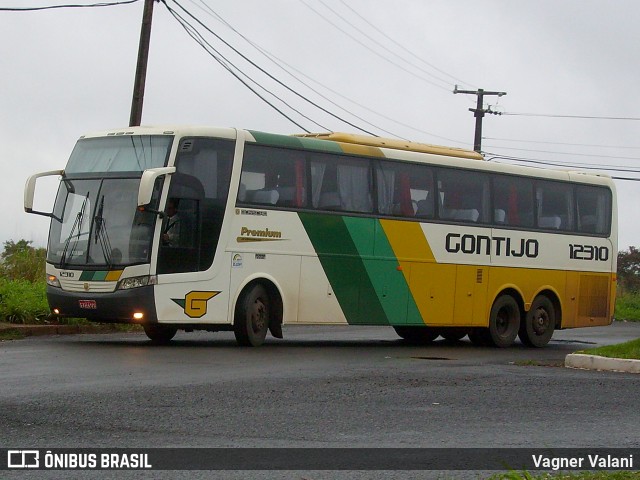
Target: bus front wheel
539,324
504,321
159,334
251,319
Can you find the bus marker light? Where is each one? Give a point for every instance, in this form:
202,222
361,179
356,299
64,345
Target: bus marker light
138,315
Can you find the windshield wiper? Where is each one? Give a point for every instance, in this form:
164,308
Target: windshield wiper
77,224
101,233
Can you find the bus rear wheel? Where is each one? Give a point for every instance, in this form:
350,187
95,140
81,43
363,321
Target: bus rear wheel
159,334
504,321
417,335
251,319
539,324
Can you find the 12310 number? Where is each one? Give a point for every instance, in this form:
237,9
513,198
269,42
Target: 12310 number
588,252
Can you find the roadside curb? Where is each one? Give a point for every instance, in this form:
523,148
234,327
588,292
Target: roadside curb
594,362
39,330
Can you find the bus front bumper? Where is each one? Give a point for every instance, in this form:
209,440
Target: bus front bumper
136,305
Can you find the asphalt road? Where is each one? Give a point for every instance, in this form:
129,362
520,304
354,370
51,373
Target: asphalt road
319,387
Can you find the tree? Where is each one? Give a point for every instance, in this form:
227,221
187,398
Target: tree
21,261
629,270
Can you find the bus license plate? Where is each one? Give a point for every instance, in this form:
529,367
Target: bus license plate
88,304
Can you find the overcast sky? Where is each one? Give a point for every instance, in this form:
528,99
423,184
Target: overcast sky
391,64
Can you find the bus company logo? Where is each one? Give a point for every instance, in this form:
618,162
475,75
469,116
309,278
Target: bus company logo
195,303
266,235
23,459
485,245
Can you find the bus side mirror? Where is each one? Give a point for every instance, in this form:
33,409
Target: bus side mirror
30,189
148,180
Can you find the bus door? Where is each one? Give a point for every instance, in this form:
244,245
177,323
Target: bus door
191,278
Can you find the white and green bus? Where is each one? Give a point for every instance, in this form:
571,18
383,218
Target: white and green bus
325,229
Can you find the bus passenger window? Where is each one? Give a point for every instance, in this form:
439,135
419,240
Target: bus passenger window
513,201
555,205
594,209
463,196
272,177
404,189
340,183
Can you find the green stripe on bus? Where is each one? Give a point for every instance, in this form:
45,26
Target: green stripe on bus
288,141
91,276
344,266
86,276
389,283
100,276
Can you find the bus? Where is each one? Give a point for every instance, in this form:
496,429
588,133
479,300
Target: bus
326,229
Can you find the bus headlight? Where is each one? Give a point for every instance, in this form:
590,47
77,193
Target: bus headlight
53,281
135,282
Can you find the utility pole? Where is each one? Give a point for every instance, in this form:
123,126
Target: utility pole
141,68
479,112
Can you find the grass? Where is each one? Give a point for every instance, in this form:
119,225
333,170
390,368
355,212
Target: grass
629,350
628,307
23,302
565,476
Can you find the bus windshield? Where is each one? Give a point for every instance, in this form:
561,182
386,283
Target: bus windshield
95,219
96,223
125,153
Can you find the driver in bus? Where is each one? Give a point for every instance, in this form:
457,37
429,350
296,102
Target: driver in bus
171,229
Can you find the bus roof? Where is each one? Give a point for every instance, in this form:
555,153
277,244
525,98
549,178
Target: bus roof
395,144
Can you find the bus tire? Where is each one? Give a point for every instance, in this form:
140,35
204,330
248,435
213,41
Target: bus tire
417,335
539,324
251,319
159,334
504,321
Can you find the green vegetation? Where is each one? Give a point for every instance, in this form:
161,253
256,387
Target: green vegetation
629,270
22,283
628,307
565,476
23,302
622,350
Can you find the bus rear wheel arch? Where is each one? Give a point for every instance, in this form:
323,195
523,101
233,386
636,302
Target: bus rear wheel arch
539,323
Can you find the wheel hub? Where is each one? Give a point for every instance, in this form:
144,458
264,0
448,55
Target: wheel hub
540,321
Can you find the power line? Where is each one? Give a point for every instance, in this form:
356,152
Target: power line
272,77
631,179
564,153
193,33
378,30
51,7
381,45
348,34
280,63
583,166
551,115
559,143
